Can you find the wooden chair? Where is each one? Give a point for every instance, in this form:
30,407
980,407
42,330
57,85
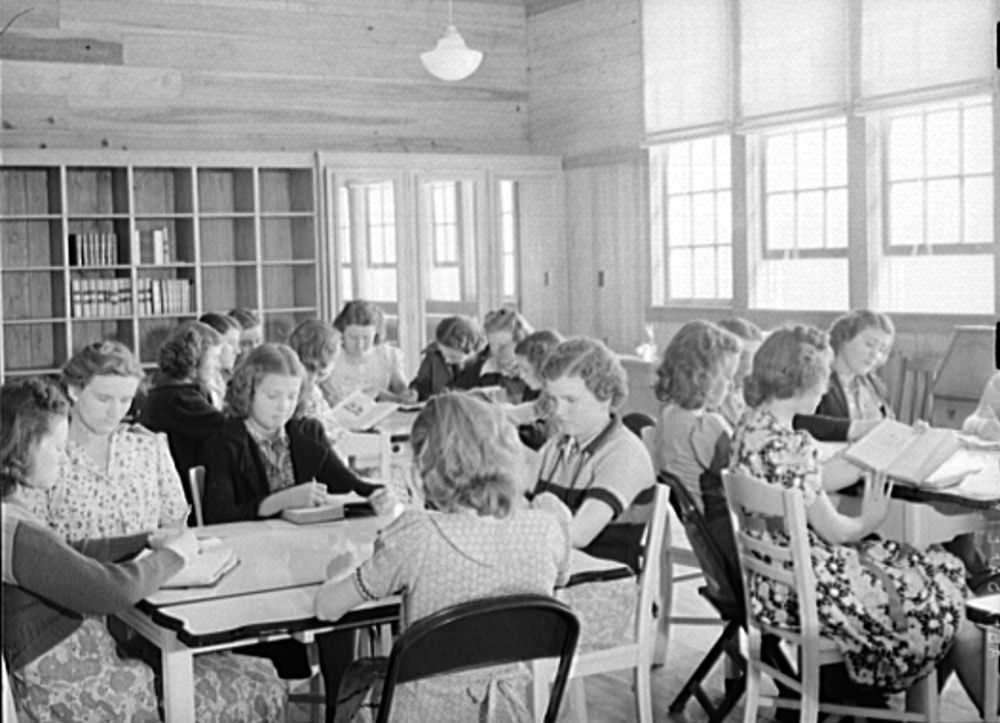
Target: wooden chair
911,386
196,486
9,707
637,653
749,499
984,611
482,633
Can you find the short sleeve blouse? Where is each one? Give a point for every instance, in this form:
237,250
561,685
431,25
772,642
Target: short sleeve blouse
139,490
373,373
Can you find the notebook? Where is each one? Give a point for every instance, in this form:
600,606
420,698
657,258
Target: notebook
924,457
211,564
337,507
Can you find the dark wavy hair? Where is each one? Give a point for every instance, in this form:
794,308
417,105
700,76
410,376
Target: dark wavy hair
359,312
316,343
848,326
691,361
222,323
468,455
743,328
268,358
589,359
536,346
182,351
246,318
459,332
27,409
793,358
100,358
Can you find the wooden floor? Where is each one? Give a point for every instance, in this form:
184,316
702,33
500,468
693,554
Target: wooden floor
610,698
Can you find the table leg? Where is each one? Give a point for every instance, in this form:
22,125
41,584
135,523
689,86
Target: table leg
178,685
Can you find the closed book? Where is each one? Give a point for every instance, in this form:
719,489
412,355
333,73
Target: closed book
206,568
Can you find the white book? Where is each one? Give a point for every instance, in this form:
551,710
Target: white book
206,568
359,412
919,456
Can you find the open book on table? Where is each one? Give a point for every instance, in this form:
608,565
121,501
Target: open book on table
359,411
213,561
926,457
336,507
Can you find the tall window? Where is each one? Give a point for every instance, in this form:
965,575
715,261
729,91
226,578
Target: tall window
446,234
509,241
938,208
692,212
366,224
803,263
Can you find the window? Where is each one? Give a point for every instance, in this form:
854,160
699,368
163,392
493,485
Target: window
509,241
802,262
366,226
692,200
380,218
938,208
446,234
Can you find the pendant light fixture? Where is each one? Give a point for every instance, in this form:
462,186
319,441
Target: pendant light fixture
451,59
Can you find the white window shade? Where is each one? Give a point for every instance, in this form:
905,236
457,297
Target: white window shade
687,64
793,56
910,45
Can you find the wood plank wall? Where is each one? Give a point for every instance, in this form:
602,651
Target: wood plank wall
259,75
585,84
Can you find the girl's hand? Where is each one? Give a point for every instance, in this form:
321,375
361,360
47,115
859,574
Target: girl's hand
307,494
343,563
183,543
385,502
875,503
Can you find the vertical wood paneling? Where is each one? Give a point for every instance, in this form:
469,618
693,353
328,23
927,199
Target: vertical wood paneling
263,75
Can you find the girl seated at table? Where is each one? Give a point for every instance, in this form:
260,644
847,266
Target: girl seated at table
593,463
856,399
893,611
365,362
266,458
692,440
180,404
531,410
63,664
115,478
495,365
317,344
251,329
750,336
230,330
985,421
475,540
455,338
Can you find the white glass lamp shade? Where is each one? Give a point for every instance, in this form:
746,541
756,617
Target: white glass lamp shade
451,59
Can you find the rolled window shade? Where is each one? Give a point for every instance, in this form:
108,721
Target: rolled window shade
793,56
687,64
920,44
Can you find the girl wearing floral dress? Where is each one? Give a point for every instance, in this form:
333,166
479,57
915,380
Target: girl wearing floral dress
894,611
478,541
63,662
115,479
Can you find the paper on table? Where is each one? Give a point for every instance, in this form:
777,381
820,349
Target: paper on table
359,411
206,568
331,510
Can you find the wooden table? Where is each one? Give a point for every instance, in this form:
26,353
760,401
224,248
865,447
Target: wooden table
269,596
985,612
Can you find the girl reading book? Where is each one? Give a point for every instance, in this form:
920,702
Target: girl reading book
476,540
894,611
63,663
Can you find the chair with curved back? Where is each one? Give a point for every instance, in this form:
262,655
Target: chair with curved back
750,500
481,633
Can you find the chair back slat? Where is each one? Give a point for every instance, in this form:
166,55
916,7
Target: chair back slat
482,633
768,549
771,570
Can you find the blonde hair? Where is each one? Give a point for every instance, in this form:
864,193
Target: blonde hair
468,455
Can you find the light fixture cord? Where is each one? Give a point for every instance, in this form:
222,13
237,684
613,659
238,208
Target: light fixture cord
451,18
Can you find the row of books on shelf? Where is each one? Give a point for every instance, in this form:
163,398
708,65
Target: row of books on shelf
96,298
149,246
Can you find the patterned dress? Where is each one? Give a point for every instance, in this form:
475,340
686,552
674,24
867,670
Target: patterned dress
441,559
889,637
370,374
139,490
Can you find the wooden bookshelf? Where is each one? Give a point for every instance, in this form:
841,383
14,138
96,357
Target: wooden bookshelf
127,248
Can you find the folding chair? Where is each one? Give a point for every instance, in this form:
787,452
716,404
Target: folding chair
481,633
749,500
